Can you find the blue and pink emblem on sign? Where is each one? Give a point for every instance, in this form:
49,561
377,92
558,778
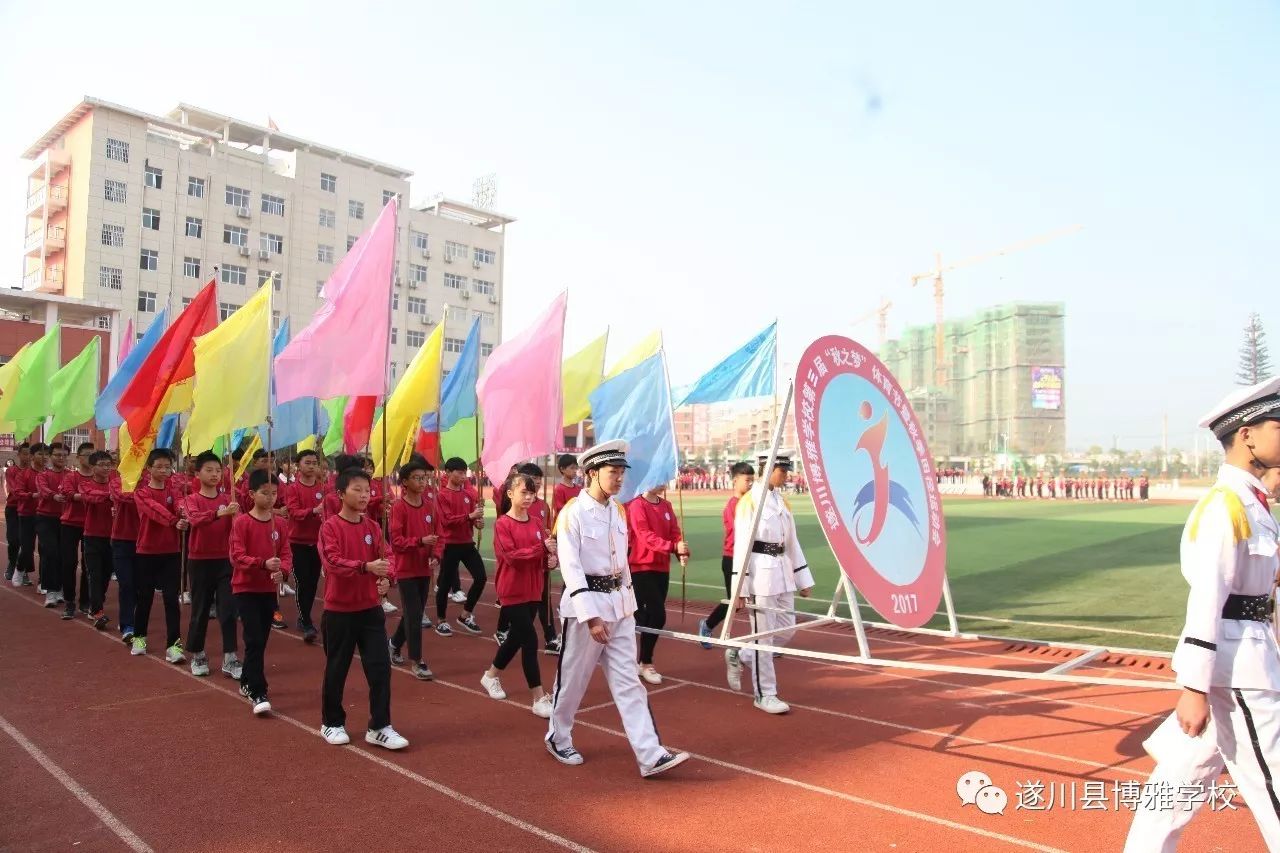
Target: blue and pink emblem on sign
871,479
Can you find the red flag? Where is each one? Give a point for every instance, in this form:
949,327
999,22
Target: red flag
428,444
173,360
357,423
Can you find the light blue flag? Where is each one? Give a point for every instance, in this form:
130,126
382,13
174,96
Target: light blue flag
293,421
168,431
635,406
749,372
104,408
458,393
237,436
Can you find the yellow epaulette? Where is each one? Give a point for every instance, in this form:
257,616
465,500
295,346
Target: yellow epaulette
560,516
1235,512
746,504
622,513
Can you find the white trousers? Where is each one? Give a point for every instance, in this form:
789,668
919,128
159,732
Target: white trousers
763,679
1245,739
579,654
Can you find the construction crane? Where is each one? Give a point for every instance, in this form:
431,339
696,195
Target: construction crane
883,324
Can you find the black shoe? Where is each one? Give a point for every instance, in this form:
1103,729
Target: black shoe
277,621
309,634
665,763
69,613
568,755
244,691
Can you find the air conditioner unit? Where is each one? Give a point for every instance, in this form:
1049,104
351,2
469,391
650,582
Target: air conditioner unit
244,251
448,259
242,212
475,264
426,254
264,254
466,294
413,285
493,300
426,319
399,282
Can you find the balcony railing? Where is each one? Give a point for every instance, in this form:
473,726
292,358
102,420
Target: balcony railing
54,196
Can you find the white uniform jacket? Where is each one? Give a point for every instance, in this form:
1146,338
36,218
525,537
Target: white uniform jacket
591,539
767,574
1228,547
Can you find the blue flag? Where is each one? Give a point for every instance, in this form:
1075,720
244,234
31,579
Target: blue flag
293,421
168,430
458,392
635,406
749,372
104,408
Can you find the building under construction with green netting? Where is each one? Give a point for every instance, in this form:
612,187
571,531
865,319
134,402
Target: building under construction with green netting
1001,388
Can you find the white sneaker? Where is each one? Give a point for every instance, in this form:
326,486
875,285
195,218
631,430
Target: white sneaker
200,665
18,578
649,674
336,735
261,706
386,737
772,705
458,597
542,708
426,620
186,598
733,669
493,686
665,763
388,607
174,654
286,590
231,666
50,599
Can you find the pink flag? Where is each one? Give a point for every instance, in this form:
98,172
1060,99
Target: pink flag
126,344
343,350
519,394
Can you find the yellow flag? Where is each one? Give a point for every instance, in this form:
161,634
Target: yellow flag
247,460
417,393
133,458
638,353
9,376
232,365
308,443
581,374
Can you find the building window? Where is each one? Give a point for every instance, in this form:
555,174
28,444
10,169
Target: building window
272,243
277,283
234,236
327,218
149,260
272,204
151,218
324,254
117,191
485,287
155,176
486,350
226,309
351,241
187,300
232,274
195,227
275,322
395,333
454,251
395,300
453,344
419,240
102,321
417,306
414,338
112,235
146,301
458,314
117,150
237,197
394,369
191,267
457,282
355,209
486,318
111,278
328,183
387,195
484,256
418,273
195,186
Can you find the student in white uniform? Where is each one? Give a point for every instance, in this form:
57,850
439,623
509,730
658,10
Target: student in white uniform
775,571
1227,660
598,607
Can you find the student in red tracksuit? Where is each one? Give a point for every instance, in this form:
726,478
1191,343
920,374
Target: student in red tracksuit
567,489
260,560
210,514
414,539
304,500
653,535
523,550
48,513
541,514
124,548
158,561
461,514
333,500
20,516
355,570
71,533
95,495
12,530
744,476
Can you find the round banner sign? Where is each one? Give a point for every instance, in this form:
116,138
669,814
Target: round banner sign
871,479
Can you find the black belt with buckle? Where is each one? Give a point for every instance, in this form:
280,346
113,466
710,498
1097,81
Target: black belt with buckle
1252,608
772,549
604,583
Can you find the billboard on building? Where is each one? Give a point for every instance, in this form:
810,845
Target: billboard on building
1046,387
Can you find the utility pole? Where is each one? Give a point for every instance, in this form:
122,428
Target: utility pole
1164,444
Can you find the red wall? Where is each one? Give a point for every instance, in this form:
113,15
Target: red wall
15,333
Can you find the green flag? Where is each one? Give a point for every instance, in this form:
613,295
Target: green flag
32,401
333,436
74,388
462,439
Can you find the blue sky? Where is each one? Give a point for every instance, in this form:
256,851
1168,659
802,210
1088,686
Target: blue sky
708,167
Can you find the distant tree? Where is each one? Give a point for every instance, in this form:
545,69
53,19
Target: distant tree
1255,360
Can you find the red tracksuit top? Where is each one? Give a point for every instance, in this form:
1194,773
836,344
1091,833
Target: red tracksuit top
653,531
561,495
96,498
333,502
301,501
522,559
20,483
455,506
541,513
209,537
48,483
72,510
157,515
253,542
726,518
409,523
345,546
124,526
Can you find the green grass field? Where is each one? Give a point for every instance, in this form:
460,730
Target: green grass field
1110,569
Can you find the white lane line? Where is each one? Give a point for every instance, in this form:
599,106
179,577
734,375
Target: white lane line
101,812
314,731
604,705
